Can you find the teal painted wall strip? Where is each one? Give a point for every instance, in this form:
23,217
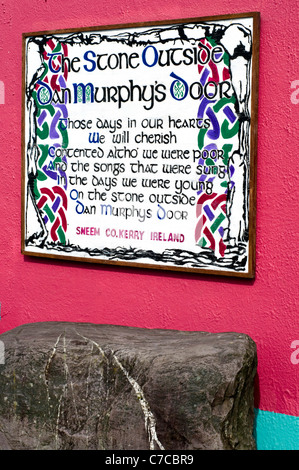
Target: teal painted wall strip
275,431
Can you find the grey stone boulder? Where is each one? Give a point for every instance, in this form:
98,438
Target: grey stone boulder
86,386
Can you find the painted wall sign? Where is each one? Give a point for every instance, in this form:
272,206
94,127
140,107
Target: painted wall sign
139,144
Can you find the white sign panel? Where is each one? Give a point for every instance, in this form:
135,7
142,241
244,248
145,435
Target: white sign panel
139,145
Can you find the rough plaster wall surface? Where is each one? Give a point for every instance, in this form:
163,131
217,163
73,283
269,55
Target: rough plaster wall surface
33,290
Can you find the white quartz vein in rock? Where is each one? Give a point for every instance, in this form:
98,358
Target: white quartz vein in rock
51,358
69,379
65,385
150,422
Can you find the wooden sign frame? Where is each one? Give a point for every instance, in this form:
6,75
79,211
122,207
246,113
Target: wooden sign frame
139,144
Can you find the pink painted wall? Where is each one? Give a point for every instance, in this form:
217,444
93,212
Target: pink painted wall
33,290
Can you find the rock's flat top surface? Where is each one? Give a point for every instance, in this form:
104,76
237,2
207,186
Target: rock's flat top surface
183,343
88,386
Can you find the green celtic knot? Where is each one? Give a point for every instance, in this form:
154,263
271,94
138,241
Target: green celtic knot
44,96
178,89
